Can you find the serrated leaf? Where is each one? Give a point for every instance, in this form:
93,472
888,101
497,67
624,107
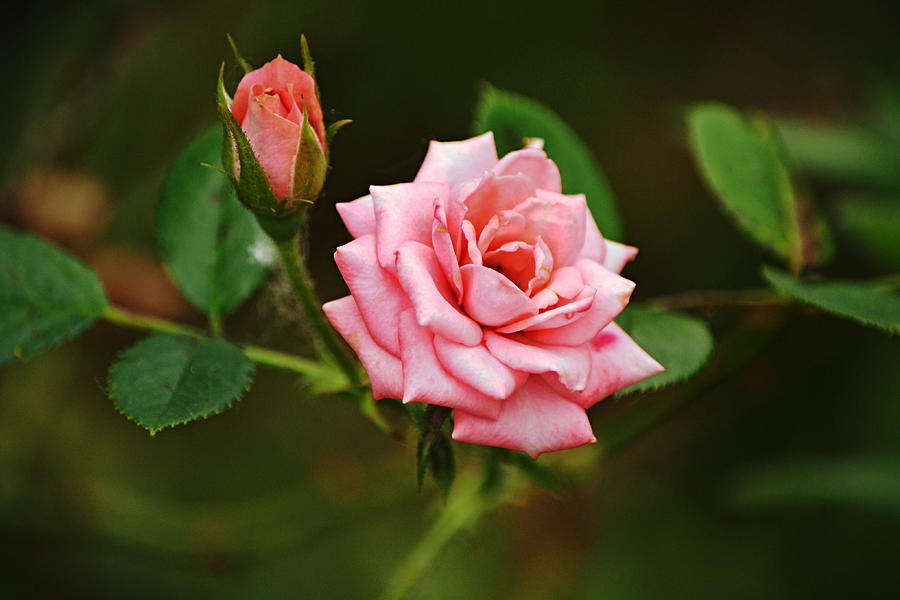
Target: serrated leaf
742,164
513,118
164,380
679,342
213,247
874,226
46,296
866,304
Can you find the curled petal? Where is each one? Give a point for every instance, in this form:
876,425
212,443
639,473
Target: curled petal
555,317
445,240
495,194
358,216
558,220
423,281
474,366
378,295
571,364
470,252
618,255
534,420
404,212
616,362
274,140
384,369
534,164
566,282
425,380
455,162
492,299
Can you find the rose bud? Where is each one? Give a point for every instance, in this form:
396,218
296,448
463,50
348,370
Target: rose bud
481,287
276,150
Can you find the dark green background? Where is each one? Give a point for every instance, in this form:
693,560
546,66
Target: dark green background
781,481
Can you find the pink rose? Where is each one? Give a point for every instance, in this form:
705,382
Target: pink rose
268,105
480,287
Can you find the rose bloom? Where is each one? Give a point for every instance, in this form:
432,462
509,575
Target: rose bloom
481,287
268,105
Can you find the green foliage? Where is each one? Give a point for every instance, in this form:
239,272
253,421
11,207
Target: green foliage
513,118
214,249
434,452
866,304
742,163
874,226
165,380
536,472
680,343
46,296
842,152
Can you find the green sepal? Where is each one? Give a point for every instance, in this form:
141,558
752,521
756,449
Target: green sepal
308,65
237,55
310,164
334,128
283,228
252,187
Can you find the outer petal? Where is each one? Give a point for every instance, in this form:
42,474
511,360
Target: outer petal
594,245
492,299
613,293
358,216
616,362
403,212
425,380
423,281
618,255
571,364
384,369
474,366
534,420
455,162
378,294
274,140
534,164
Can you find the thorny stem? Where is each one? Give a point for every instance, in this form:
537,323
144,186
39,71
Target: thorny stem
327,340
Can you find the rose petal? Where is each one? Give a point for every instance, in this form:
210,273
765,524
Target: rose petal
403,212
470,252
384,369
504,227
594,246
274,140
616,362
378,294
455,162
423,281
358,216
444,242
425,380
534,420
476,367
491,298
613,293
560,315
558,220
534,164
572,364
618,255
566,282
495,194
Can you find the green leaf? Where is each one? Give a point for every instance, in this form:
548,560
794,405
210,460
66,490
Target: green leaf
434,452
842,152
680,343
874,226
165,381
866,304
214,249
46,296
535,471
237,55
744,166
513,118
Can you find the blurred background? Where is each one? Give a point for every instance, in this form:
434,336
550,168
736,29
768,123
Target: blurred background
780,477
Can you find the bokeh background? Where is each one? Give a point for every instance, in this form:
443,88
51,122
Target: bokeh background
779,480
